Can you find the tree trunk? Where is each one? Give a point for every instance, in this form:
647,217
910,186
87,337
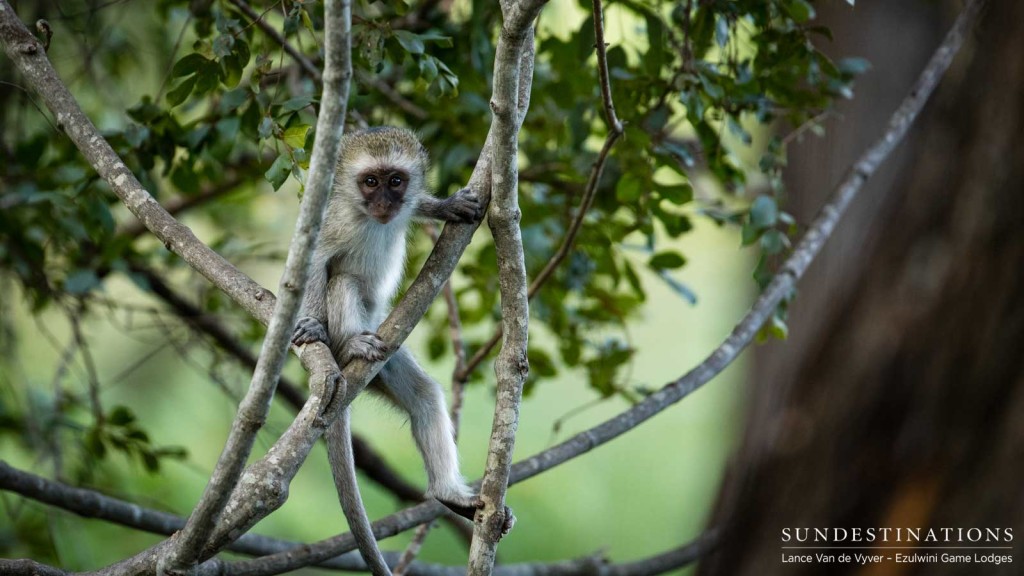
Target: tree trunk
908,409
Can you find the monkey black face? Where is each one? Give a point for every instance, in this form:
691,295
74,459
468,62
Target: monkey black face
383,192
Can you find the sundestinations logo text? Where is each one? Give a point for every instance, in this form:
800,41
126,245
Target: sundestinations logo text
863,546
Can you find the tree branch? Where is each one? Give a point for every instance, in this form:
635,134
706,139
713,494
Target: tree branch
252,412
504,216
305,63
724,354
233,179
92,504
616,130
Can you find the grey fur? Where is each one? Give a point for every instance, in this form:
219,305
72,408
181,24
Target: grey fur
357,268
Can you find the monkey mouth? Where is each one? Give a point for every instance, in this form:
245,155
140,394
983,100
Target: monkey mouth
383,212
382,215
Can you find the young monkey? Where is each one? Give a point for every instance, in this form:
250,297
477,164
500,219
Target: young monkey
379,187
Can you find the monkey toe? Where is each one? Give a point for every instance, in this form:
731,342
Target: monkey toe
510,521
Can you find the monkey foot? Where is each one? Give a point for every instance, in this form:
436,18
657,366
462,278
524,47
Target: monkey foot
308,330
466,510
367,346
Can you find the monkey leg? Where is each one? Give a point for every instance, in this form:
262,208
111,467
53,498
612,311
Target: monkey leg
409,387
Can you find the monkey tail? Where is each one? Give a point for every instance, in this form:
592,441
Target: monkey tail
343,466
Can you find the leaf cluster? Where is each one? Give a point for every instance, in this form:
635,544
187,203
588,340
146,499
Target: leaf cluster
700,86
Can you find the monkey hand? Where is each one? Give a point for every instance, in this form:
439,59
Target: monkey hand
309,330
367,346
462,207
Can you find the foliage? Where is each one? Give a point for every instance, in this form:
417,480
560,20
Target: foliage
697,85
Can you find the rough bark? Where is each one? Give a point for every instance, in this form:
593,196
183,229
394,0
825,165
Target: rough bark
907,411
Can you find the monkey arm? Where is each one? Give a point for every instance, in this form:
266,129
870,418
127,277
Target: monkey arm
312,324
463,206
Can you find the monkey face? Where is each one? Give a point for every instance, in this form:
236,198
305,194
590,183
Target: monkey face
383,192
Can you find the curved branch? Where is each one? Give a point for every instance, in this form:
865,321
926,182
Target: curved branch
92,504
512,366
252,412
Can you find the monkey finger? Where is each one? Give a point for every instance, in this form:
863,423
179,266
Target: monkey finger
367,346
510,521
308,330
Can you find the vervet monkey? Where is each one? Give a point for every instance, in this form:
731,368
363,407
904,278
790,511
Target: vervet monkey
379,187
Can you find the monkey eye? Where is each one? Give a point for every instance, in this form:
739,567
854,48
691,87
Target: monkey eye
395,181
371,181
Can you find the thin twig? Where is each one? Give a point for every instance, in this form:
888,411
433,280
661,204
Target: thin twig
175,206
568,241
809,124
602,67
187,546
307,65
74,318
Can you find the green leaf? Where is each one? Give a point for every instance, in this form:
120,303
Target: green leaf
94,443
179,94
667,260
266,129
409,41
241,51
81,281
678,194
800,10
541,364
120,416
722,31
629,189
295,104
223,44
291,22
279,171
678,287
188,65
773,242
764,212
232,99
232,71
150,462
296,135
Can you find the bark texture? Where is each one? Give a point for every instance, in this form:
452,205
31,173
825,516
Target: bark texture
906,411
